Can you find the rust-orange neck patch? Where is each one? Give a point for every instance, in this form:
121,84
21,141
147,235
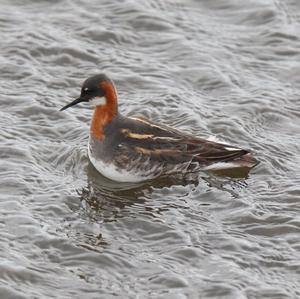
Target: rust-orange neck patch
104,114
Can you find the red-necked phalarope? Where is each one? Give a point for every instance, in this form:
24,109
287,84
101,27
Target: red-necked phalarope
130,149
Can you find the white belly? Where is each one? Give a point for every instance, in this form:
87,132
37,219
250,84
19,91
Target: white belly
110,171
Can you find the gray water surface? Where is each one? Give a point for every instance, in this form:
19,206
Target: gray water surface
230,69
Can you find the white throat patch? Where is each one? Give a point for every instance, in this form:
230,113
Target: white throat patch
97,101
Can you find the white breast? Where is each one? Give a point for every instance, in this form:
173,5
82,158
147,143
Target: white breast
110,171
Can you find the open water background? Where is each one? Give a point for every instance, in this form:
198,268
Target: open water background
225,68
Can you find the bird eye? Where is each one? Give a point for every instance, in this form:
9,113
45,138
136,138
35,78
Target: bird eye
87,90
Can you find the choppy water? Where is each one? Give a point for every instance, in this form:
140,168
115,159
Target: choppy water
224,68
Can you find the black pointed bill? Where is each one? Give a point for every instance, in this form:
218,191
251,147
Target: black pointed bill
75,102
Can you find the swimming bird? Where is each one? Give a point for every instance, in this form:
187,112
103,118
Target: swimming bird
134,149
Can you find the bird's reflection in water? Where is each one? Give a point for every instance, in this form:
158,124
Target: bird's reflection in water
104,200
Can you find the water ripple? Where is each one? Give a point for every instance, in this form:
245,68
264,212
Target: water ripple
224,68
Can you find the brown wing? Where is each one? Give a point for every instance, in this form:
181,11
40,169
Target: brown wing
149,144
